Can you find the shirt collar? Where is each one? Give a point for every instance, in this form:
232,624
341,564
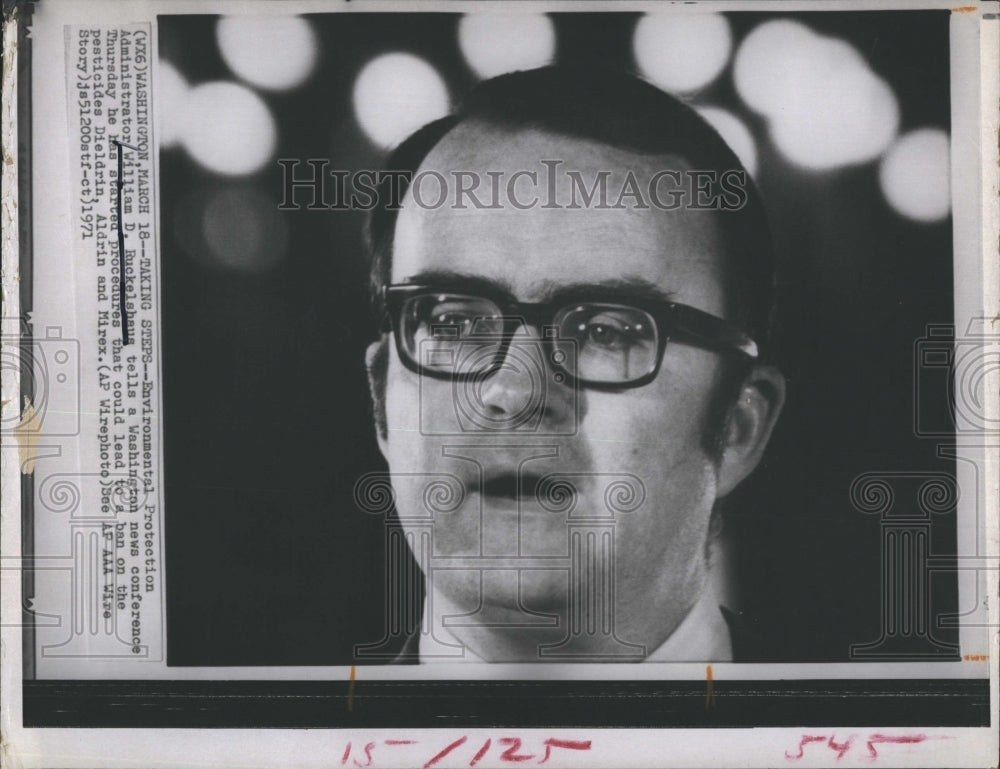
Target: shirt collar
702,636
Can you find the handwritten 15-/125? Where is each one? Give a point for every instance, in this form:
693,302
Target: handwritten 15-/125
508,750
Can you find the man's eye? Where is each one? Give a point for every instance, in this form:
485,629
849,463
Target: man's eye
611,333
452,318
605,335
451,323
457,320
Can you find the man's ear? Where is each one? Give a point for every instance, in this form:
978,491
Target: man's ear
751,420
377,368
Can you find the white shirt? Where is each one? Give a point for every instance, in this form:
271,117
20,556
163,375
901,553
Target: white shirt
702,636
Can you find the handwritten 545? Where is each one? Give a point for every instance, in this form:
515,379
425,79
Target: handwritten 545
851,742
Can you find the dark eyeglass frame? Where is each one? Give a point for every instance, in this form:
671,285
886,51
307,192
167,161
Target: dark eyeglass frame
674,322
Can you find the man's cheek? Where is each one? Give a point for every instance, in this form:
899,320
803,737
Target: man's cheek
401,396
405,450
423,406
626,430
665,537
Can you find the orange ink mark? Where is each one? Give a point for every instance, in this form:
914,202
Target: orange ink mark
709,693
976,657
350,691
27,433
964,9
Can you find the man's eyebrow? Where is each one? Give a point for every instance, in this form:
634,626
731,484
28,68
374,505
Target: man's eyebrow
628,286
454,278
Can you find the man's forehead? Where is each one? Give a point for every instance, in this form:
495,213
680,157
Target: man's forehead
539,228
475,145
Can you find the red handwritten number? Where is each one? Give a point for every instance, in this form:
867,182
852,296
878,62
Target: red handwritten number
840,747
481,752
843,747
445,752
511,753
806,739
567,744
368,755
876,739
513,745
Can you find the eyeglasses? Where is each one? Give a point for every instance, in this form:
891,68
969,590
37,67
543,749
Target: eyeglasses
449,333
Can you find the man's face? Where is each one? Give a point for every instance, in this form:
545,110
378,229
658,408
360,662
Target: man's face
593,438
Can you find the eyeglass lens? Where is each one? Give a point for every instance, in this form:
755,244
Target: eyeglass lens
452,334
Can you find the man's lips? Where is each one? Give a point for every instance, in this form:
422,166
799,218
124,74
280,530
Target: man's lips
553,492
511,486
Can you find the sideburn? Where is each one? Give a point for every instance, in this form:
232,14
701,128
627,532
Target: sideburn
377,369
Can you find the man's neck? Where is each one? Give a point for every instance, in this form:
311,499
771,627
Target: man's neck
702,636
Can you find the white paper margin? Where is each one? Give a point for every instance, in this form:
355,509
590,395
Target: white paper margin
308,748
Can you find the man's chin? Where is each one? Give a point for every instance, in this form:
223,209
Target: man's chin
506,594
501,541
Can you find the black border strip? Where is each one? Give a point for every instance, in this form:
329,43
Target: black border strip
482,704
25,223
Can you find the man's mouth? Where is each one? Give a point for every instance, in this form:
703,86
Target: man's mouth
512,486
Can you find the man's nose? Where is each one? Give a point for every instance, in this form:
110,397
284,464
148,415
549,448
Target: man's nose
528,390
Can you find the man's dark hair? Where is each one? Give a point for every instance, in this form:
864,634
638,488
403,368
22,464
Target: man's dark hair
619,110
612,108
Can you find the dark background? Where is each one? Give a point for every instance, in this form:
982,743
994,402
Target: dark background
266,417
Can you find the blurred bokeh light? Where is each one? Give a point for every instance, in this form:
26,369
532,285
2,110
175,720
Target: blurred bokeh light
497,43
736,134
682,53
275,53
915,175
171,91
227,128
761,69
244,230
825,107
395,94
